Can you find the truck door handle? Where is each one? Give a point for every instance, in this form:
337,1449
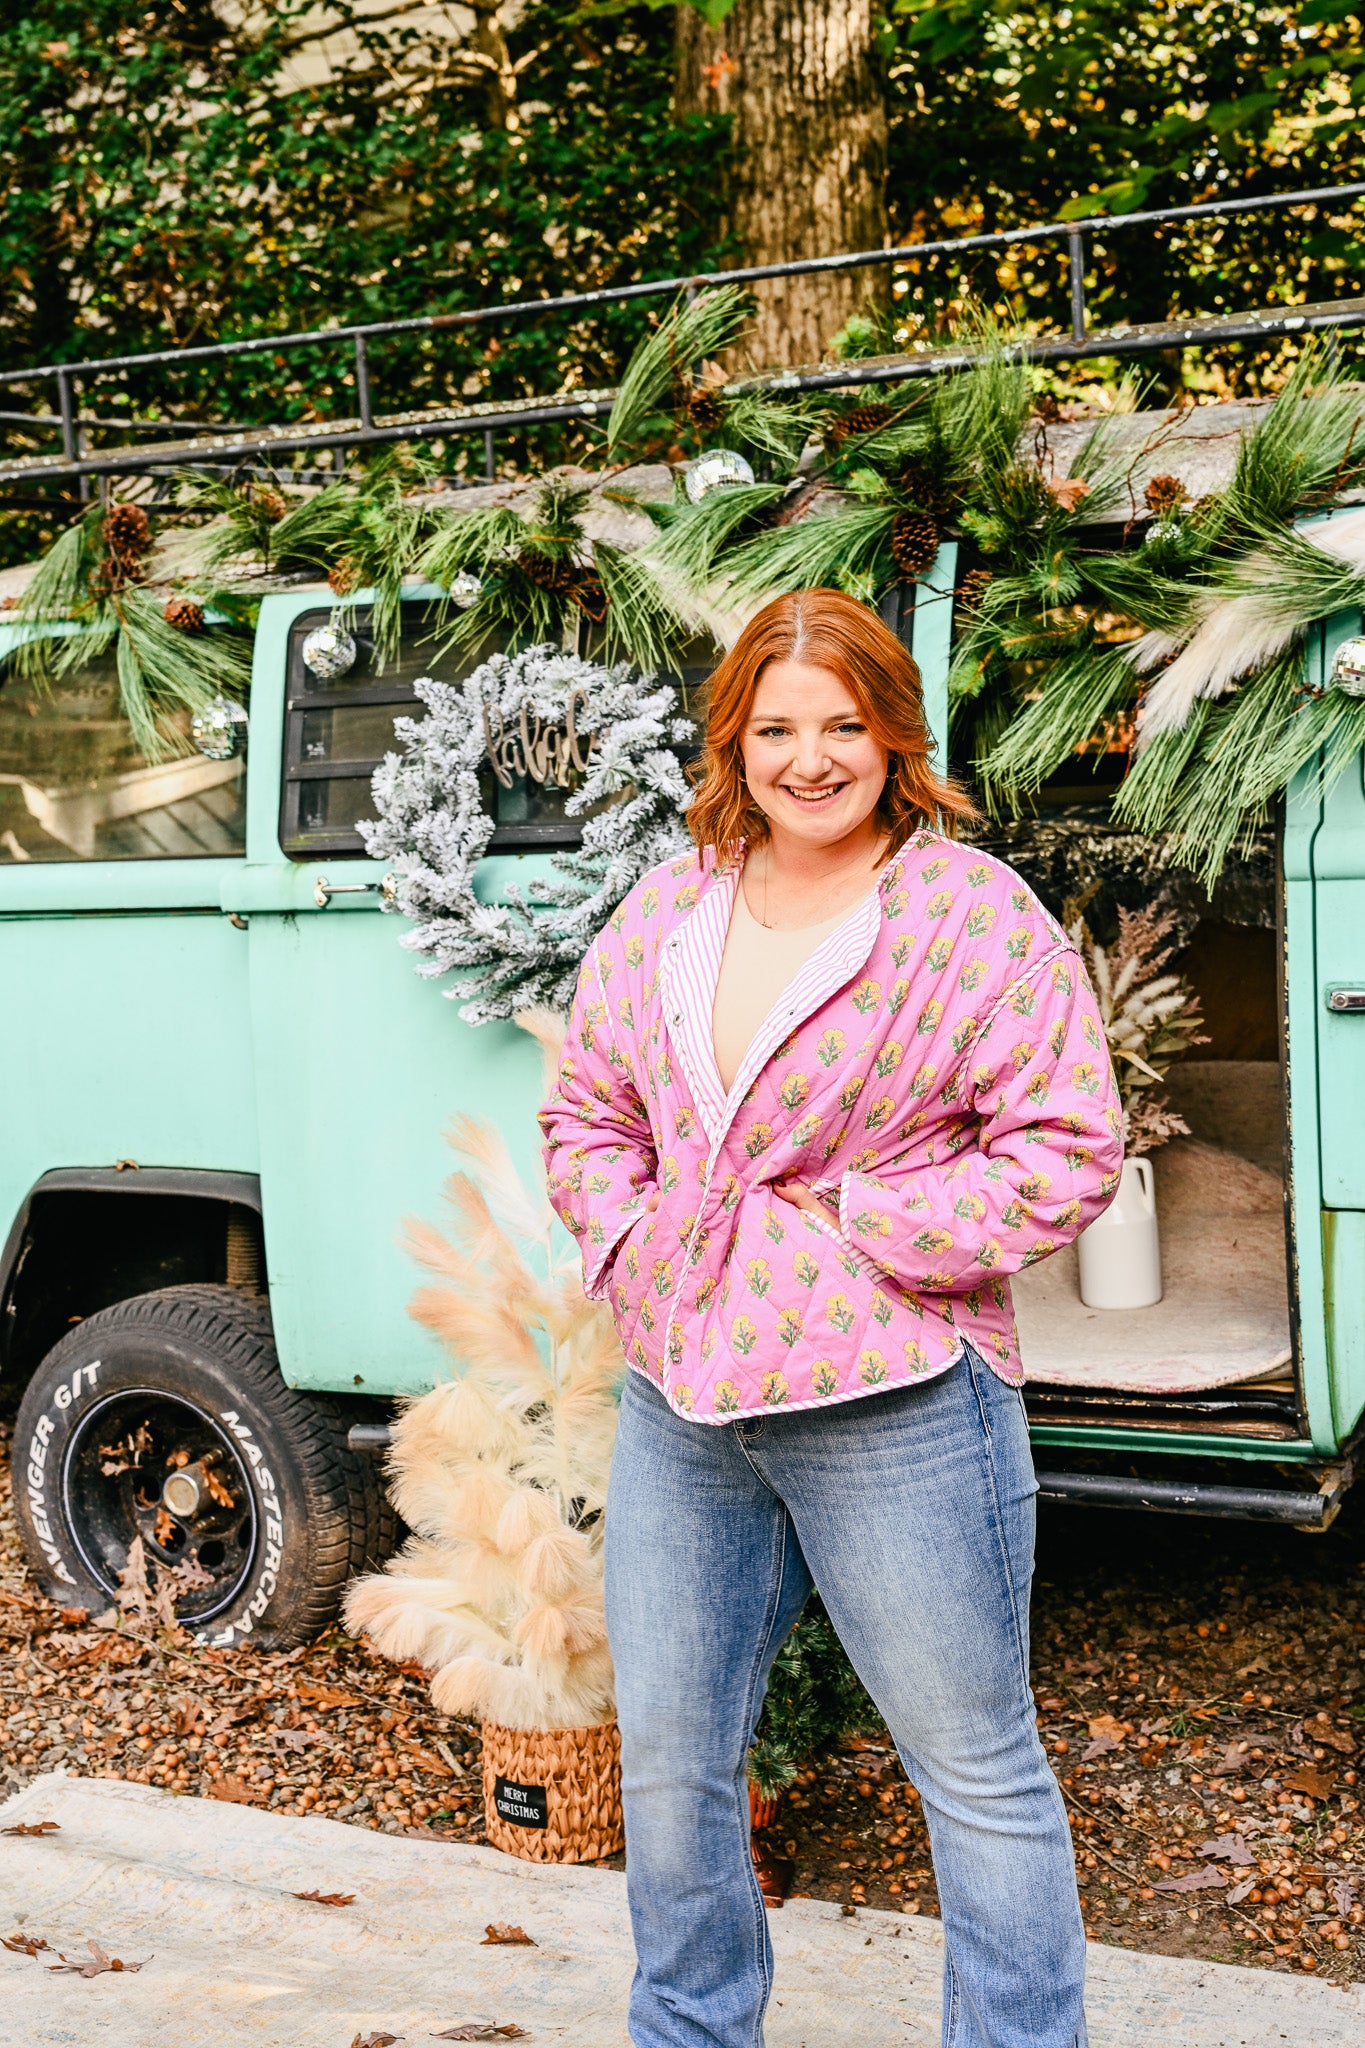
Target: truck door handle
386,890
1343,1001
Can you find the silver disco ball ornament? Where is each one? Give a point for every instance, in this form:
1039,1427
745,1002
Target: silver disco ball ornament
721,470
1348,669
219,730
465,589
329,652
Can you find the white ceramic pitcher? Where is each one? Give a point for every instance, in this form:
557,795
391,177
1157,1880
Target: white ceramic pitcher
1120,1253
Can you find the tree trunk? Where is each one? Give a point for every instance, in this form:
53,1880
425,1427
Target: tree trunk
801,80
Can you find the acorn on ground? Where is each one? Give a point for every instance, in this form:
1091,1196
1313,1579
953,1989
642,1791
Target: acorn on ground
184,614
914,543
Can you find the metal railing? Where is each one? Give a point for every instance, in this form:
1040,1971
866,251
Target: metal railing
365,429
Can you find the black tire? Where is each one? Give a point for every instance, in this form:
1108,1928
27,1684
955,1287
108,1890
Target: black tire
184,1385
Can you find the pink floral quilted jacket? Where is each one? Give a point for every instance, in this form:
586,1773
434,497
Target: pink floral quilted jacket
937,1072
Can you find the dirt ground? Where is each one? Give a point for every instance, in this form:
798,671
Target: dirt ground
1201,1692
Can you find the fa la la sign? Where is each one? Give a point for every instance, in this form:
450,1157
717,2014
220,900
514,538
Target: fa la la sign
537,748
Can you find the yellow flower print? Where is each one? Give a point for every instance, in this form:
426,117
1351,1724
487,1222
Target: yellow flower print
889,1058
598,1184
708,1345
939,954
1015,1215
850,1092
916,1357
686,1121
614,924
670,1173
895,1001
1061,979
972,975
727,1397
1021,1054
925,1077
1023,1002
830,1048
648,1319
929,1019
705,1294
775,1389
633,1261
758,1275
684,1398
895,906
806,1130
933,871
1068,1216
938,1282
1079,1156
970,1207
973,1300
649,902
1019,902
866,995
1034,1186
730,1193
831,1145
686,897
757,1139
602,1089
1085,1077
988,1254
1044,1249
790,1323
1040,1088
872,1223
931,1242
978,875
806,1269
1056,1038
773,1226
743,1335
862,1160
794,1090
882,1309
840,1313
823,1377
872,1368
979,920
1019,944
964,1034
638,1353
635,951
662,1273
879,1112
940,905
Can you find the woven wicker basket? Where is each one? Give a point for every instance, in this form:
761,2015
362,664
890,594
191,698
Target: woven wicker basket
553,1796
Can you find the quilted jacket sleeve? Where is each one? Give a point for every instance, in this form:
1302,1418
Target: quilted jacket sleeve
600,1159
1047,1156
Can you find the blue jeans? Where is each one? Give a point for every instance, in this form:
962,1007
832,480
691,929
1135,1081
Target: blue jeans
912,1511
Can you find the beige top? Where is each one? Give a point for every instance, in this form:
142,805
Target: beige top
757,966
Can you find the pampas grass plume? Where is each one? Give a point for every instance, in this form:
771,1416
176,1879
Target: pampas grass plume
501,1471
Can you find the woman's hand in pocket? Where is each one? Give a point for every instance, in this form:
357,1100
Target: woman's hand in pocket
801,1197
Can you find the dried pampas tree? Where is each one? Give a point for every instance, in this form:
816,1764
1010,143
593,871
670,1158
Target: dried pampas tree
501,1471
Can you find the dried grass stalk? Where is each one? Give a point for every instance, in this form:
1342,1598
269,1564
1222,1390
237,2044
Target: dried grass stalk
501,1471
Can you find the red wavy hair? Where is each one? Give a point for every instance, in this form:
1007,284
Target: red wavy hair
825,629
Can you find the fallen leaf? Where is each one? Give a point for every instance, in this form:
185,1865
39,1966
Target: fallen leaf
328,1898
1228,1849
235,1789
29,1944
1107,1724
1239,1891
34,1827
432,1765
326,1695
1332,1738
375,2040
1343,1895
512,1937
1207,1879
100,1961
481,2030
1099,1747
1316,1784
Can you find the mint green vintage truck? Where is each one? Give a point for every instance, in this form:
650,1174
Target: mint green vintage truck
222,1088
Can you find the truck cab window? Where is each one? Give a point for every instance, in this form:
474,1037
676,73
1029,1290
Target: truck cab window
73,786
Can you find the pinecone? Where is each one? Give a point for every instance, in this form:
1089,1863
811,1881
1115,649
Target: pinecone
1164,495
266,503
545,572
914,543
923,487
972,589
184,613
343,576
127,534
588,594
864,419
704,409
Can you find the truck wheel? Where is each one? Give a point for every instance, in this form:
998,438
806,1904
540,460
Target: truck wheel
165,1418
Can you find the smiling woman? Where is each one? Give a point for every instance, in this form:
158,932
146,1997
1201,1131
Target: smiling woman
825,1086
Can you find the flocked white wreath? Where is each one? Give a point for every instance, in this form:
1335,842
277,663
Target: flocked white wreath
433,827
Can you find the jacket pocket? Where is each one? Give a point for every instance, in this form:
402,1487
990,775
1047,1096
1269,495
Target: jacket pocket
644,1281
